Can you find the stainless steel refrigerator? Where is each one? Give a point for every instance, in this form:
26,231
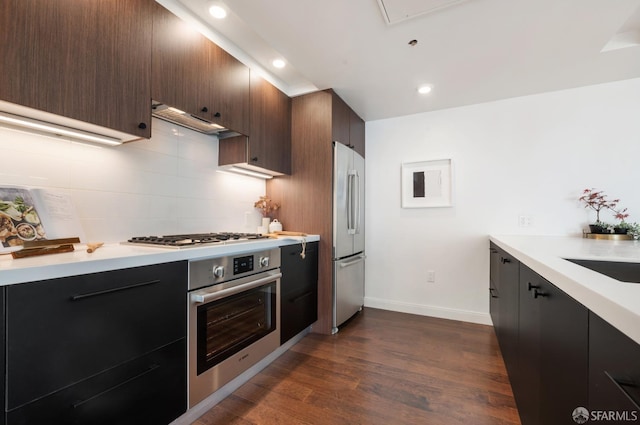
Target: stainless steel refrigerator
348,233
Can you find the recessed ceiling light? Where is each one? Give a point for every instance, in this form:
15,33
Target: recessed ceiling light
424,89
278,63
217,12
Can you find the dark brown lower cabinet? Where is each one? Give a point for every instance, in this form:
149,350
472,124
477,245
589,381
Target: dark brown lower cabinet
299,289
552,353
100,348
567,357
614,374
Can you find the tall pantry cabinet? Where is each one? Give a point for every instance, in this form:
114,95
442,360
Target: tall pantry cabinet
317,119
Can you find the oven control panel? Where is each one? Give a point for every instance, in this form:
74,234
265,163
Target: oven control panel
242,264
210,271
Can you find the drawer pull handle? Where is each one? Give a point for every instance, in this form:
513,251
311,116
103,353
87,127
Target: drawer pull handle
537,294
531,286
621,384
491,293
133,378
109,291
504,260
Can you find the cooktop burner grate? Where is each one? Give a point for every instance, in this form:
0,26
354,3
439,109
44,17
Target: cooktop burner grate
194,239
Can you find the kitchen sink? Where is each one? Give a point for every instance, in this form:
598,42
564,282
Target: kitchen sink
625,272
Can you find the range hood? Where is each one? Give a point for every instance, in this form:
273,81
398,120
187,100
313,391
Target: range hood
192,122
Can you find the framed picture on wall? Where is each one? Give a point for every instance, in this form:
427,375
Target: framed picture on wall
427,184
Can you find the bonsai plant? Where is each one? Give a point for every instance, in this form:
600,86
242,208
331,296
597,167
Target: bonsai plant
623,227
597,201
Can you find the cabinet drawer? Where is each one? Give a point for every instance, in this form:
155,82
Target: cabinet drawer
147,390
614,369
62,331
299,273
298,311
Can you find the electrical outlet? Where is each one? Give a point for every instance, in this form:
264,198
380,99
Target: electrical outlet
525,221
431,276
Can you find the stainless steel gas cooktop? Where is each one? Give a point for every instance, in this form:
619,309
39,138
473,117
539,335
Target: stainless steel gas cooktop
193,240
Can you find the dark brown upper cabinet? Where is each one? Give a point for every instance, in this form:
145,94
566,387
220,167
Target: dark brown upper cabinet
269,144
86,60
347,126
230,96
193,74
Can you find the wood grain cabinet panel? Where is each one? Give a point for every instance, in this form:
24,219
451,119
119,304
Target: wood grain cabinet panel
193,74
347,127
229,91
356,133
306,195
270,139
86,60
269,143
180,64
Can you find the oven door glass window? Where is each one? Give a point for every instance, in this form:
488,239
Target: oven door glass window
231,324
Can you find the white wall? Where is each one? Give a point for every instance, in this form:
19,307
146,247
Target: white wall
524,156
165,185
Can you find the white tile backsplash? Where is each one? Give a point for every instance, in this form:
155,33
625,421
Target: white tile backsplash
168,184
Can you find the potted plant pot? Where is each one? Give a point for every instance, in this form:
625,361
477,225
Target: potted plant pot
596,228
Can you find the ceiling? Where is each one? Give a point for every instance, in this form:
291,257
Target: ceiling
469,51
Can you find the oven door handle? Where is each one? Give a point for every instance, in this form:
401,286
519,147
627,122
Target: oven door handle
199,298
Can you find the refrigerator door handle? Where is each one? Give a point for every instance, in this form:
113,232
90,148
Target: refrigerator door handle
356,197
352,262
351,206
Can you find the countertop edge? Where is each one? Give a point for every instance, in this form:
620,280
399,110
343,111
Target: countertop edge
616,302
115,256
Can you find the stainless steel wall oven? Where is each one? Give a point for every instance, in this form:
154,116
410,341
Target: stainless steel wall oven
234,317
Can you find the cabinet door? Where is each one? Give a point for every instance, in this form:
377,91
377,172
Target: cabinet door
78,326
181,60
299,289
229,91
150,389
552,353
340,120
356,132
614,371
508,291
270,139
526,386
503,302
564,355
86,60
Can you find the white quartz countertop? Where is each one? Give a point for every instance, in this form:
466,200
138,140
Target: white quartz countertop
117,256
616,302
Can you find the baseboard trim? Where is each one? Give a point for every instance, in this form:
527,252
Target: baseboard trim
429,310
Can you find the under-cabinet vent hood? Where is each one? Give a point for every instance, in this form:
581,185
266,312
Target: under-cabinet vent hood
185,119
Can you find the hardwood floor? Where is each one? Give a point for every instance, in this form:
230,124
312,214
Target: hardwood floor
382,368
